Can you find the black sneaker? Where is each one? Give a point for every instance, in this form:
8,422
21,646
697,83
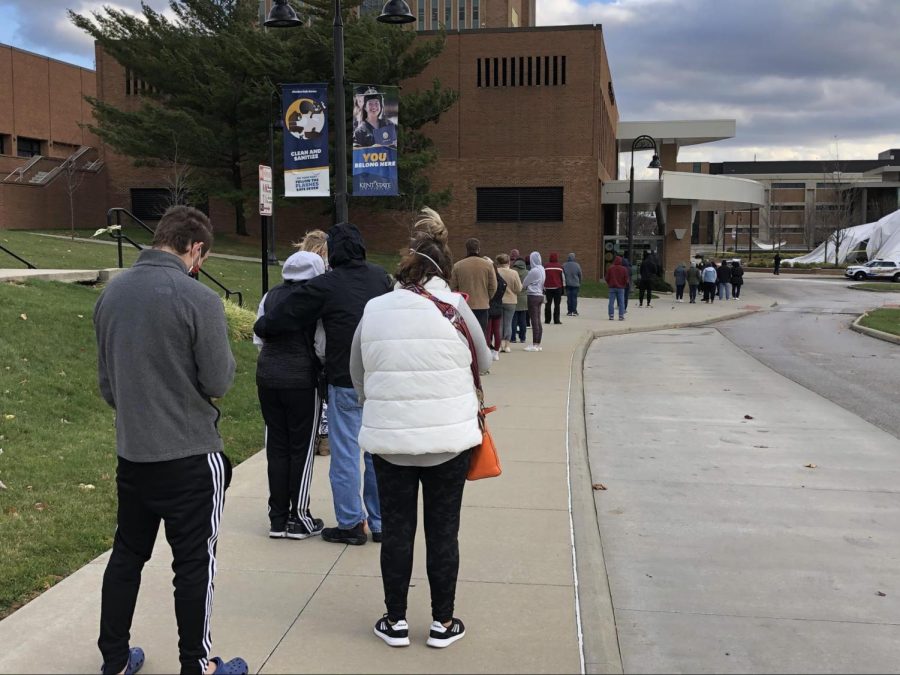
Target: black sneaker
355,536
441,637
277,531
377,537
297,530
396,635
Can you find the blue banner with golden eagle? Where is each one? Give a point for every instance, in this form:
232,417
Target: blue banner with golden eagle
305,140
376,113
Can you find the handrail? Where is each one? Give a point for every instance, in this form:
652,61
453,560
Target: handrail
19,258
118,236
22,169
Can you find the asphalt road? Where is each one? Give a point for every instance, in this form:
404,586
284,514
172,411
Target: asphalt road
807,338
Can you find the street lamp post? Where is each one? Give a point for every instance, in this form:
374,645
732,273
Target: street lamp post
640,143
282,15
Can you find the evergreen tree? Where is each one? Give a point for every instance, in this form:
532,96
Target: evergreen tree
207,87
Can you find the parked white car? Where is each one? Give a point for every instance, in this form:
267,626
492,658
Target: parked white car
875,269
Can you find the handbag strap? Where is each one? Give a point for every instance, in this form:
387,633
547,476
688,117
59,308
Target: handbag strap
453,315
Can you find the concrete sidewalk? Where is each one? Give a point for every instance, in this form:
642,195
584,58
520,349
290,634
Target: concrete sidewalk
309,606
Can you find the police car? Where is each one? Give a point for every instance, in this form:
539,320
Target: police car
875,269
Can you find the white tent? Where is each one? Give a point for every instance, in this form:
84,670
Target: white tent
883,237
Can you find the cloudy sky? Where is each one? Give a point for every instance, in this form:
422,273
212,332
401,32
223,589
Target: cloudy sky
805,79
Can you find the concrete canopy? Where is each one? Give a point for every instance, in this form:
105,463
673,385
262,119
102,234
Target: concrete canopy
702,191
679,132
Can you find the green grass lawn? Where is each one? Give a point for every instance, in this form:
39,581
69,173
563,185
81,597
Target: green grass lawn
876,287
58,438
886,320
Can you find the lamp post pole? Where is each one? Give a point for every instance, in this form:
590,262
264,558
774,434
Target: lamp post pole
640,143
340,120
271,258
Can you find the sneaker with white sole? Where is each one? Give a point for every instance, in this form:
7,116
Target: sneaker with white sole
297,530
495,355
440,636
531,348
396,635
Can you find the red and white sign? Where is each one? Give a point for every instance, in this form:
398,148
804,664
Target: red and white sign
265,190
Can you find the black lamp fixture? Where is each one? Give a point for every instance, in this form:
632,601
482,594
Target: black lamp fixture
396,12
654,163
282,15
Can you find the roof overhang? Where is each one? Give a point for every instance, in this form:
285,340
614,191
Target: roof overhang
702,191
680,132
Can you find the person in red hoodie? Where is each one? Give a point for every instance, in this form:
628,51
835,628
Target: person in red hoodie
553,287
617,280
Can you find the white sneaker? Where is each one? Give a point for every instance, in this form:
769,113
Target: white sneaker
532,348
441,637
495,355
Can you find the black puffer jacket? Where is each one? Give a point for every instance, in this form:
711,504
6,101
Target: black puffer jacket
288,361
338,297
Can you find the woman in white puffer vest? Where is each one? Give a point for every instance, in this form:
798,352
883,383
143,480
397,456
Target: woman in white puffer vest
412,369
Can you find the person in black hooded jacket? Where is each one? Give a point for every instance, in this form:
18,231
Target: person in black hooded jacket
339,297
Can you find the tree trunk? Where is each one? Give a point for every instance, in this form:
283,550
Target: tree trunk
237,181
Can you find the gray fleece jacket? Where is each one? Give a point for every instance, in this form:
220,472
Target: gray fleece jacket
162,355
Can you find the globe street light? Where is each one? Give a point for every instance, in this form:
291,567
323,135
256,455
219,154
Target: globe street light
282,15
640,143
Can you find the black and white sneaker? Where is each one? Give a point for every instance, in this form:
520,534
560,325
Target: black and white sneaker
277,532
441,637
396,635
297,530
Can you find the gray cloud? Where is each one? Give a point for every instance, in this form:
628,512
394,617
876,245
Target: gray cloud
794,74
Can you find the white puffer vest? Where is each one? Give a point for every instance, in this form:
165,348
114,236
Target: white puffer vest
420,396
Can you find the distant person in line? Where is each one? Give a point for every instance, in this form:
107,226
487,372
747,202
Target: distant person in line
693,280
572,272
554,282
617,279
737,279
649,272
534,288
338,297
626,263
520,318
680,282
510,299
412,362
709,282
777,269
495,314
171,464
475,277
287,381
723,278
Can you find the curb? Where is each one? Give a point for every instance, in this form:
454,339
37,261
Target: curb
871,332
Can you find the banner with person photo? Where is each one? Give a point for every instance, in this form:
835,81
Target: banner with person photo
376,111
305,140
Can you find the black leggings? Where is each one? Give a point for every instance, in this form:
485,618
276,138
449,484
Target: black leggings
534,311
442,492
645,286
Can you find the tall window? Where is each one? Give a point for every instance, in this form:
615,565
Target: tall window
421,14
434,14
476,13
28,147
462,13
448,13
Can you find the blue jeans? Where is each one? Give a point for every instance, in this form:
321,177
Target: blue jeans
344,420
519,325
617,295
724,291
572,299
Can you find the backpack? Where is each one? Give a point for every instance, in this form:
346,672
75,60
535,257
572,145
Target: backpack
496,306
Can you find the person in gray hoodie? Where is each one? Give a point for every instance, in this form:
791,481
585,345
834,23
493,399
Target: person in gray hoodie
163,356
520,321
572,272
534,289
287,377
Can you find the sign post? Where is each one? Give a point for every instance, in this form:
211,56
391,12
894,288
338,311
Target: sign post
265,212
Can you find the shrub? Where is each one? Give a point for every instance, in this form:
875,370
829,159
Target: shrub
240,321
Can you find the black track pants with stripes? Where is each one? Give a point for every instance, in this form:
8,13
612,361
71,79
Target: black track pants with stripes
442,492
187,495
292,418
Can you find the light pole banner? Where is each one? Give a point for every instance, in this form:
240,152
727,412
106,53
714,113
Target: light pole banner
305,140
376,112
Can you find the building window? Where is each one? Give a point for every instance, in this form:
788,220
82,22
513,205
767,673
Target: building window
829,186
448,13
149,203
788,186
696,167
434,14
5,144
476,14
519,204
421,14
462,13
28,147
788,207
612,93
514,17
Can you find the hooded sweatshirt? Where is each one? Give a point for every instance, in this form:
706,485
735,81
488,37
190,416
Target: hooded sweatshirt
534,280
554,271
522,295
338,297
616,274
572,270
292,360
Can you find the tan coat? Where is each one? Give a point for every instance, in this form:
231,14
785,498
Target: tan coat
513,285
475,276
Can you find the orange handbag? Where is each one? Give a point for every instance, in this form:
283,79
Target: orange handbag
484,462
